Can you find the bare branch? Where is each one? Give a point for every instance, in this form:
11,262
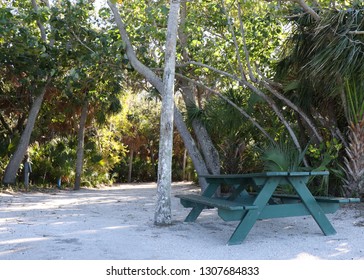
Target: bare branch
138,66
308,9
39,23
247,57
82,43
335,131
260,93
210,68
356,32
237,51
245,114
293,106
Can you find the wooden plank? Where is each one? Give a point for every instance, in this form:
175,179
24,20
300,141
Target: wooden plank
266,174
250,217
320,198
278,211
312,206
212,202
245,175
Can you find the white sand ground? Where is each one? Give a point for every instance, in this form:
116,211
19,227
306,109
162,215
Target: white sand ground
116,223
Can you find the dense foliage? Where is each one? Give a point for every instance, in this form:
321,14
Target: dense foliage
277,87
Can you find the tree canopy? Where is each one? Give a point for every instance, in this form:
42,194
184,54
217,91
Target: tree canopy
256,83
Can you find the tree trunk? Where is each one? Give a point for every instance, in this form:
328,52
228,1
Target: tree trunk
163,209
131,156
184,165
354,161
210,153
80,146
5,125
152,78
193,151
15,161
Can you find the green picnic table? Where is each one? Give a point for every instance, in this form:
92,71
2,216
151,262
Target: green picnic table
254,197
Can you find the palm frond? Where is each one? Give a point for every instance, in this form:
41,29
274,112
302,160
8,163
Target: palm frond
282,156
355,97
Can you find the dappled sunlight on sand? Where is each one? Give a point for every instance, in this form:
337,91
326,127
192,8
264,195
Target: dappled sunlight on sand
117,222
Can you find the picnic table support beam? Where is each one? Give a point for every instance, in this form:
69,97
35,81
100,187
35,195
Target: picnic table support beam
197,209
312,206
251,216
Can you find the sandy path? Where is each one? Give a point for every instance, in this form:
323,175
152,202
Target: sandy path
117,223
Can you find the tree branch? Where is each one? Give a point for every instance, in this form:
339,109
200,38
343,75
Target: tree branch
39,23
245,114
260,93
237,51
289,103
82,43
5,124
223,73
356,32
247,56
308,9
137,65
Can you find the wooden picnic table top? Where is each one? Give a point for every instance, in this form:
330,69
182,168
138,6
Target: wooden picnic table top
267,174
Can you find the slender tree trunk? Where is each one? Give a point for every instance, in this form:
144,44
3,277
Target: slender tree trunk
184,165
210,153
5,124
80,146
193,151
163,209
15,161
131,157
208,149
152,78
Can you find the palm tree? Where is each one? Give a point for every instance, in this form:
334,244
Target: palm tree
321,73
354,160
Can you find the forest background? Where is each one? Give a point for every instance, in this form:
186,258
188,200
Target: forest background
259,86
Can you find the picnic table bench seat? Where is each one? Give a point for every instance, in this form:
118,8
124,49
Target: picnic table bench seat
190,200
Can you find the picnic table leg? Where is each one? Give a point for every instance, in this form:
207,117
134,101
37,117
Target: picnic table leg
196,210
313,207
251,216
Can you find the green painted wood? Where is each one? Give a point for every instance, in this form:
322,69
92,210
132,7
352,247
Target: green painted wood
230,216
354,200
197,208
250,217
278,211
247,208
211,189
312,206
213,202
287,197
194,213
265,174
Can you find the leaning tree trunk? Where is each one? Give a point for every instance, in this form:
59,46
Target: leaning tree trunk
80,146
354,161
193,151
152,78
209,151
15,161
131,157
163,210
207,147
